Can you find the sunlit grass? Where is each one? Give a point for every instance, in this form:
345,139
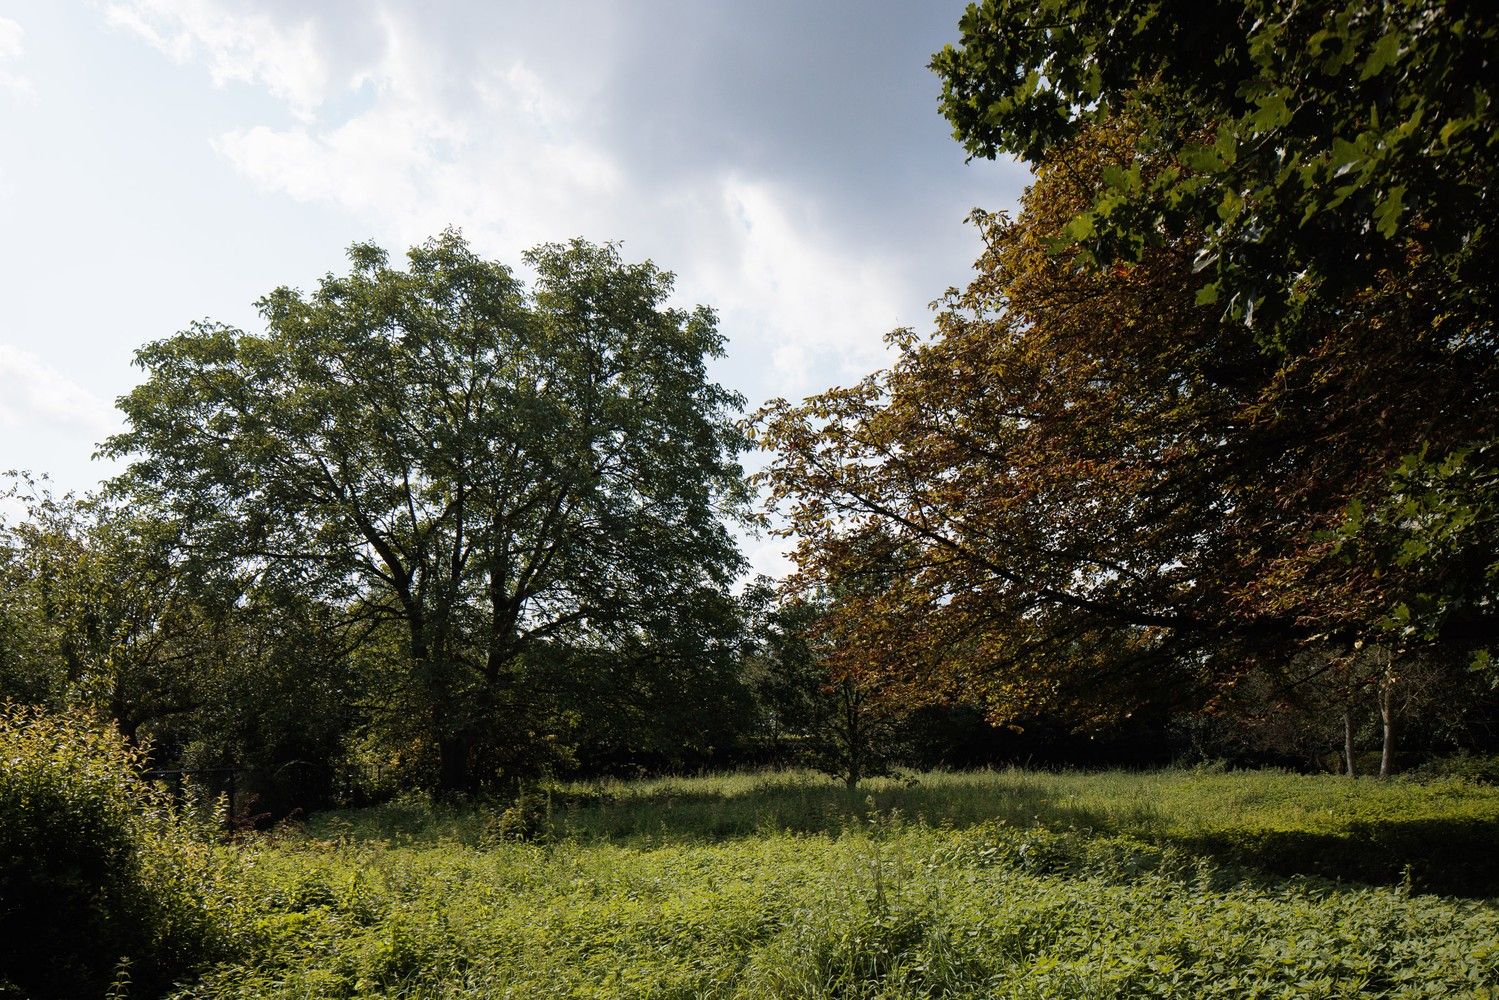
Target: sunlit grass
1172,805
1003,884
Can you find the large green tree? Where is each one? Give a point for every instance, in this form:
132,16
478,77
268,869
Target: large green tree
501,472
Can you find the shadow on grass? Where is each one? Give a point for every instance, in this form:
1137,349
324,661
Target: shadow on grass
1454,855
678,813
687,816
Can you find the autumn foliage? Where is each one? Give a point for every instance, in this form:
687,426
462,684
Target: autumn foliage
1087,492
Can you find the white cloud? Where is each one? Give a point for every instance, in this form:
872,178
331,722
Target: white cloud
824,309
507,167
495,147
412,126
236,45
768,555
12,46
35,395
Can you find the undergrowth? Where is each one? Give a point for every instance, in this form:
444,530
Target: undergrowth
1284,824
886,909
105,885
1007,884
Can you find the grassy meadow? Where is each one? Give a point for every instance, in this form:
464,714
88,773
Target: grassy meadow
990,884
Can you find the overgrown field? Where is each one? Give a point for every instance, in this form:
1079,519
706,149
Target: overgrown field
1008,884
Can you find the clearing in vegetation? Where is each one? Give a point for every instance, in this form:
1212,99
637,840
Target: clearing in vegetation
1003,884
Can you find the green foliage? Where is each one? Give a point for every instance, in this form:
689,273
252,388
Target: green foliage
509,478
528,817
1309,143
669,697
98,612
1472,768
101,882
104,610
1438,521
640,894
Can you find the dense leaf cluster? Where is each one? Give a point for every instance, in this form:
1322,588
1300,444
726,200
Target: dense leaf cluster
102,883
1305,143
508,480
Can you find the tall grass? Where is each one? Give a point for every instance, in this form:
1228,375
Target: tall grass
783,885
882,910
1280,822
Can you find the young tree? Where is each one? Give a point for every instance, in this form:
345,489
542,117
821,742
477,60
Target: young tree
819,703
499,471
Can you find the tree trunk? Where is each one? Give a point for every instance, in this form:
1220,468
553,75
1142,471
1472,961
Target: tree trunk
1387,718
453,771
852,723
1348,742
1387,755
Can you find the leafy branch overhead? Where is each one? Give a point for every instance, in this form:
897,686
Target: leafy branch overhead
1304,144
1095,489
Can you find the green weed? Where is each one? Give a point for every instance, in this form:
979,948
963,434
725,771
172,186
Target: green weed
1004,884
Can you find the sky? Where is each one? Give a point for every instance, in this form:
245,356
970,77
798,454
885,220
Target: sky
165,161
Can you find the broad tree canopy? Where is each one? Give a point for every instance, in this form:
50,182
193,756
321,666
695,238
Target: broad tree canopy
500,470
1087,492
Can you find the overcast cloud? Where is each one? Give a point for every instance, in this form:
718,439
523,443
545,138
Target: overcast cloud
181,157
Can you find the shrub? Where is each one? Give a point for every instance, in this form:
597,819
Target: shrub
527,817
1477,768
101,884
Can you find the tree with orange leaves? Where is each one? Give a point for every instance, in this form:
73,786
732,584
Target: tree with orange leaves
1087,492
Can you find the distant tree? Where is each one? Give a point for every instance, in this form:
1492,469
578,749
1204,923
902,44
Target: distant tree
670,695
781,670
1336,702
281,703
100,612
498,472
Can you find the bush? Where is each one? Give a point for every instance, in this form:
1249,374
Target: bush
101,884
1477,768
526,818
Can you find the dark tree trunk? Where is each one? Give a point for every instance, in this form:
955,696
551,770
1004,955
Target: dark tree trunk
854,731
454,773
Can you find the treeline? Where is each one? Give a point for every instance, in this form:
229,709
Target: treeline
431,529
1203,460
